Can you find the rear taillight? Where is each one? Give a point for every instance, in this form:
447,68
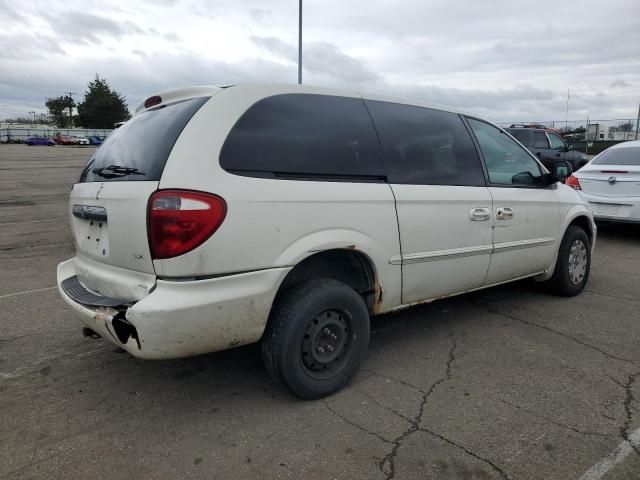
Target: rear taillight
180,220
573,182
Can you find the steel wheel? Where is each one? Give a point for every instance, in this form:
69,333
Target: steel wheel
577,261
326,343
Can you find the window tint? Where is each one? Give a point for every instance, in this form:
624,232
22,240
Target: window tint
302,135
523,135
425,146
619,156
142,143
507,162
556,141
540,140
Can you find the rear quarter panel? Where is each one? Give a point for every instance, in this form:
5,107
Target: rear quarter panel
276,223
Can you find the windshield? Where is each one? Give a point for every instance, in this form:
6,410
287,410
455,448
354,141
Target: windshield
139,149
619,156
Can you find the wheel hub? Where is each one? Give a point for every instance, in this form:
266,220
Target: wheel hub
325,341
577,262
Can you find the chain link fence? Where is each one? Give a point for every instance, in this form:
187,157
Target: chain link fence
20,134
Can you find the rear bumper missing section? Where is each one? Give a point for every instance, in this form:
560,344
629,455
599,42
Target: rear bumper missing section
184,318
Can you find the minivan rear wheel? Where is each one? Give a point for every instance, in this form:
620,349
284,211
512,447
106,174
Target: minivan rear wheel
573,265
317,335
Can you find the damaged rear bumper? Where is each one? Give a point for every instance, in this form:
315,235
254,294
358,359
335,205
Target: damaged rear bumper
182,318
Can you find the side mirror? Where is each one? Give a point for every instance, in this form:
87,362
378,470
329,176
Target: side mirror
560,171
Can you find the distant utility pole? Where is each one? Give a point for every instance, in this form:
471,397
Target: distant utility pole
299,42
33,122
70,95
566,116
638,121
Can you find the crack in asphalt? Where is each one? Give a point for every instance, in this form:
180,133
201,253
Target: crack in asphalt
551,420
385,407
468,452
35,334
621,297
628,399
495,311
353,424
395,379
414,425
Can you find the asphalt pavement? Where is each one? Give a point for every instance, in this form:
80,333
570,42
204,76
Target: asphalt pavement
505,383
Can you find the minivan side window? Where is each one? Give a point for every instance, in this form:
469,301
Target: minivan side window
507,162
305,136
425,146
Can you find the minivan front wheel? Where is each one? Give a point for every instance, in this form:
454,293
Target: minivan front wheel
573,265
317,335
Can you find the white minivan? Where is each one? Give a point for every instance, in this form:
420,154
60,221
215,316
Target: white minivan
217,217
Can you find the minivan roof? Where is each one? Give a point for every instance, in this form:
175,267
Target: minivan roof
177,94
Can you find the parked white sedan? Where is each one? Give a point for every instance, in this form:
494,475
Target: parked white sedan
611,183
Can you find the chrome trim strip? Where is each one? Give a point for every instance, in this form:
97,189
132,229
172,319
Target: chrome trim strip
449,254
452,253
90,212
536,242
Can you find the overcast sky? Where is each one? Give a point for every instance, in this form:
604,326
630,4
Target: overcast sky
504,60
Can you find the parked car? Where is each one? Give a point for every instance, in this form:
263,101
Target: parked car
611,183
40,141
548,146
95,140
305,212
65,140
82,141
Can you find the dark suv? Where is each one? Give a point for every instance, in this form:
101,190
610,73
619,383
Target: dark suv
548,146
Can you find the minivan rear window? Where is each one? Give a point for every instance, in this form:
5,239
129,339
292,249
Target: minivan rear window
139,149
305,136
424,146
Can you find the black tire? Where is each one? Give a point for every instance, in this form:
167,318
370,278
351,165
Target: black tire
565,281
321,314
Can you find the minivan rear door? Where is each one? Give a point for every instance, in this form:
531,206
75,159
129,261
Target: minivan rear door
108,205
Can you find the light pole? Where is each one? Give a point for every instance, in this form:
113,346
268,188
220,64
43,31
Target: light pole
33,121
299,42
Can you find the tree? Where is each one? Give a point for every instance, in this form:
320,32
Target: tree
102,107
625,127
58,107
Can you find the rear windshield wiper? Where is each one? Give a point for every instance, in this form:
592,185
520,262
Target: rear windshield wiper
115,171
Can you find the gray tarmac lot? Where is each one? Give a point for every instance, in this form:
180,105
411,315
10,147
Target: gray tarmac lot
508,382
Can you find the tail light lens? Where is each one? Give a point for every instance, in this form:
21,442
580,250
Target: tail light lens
181,220
573,182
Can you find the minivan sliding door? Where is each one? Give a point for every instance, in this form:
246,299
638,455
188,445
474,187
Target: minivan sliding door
443,205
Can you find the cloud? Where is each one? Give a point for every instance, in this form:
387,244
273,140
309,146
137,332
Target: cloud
276,47
86,28
506,62
321,59
619,83
27,47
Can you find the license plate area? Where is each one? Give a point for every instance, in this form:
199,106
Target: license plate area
92,237
610,209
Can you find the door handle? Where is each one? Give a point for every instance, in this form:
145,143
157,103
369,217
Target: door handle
504,213
479,214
